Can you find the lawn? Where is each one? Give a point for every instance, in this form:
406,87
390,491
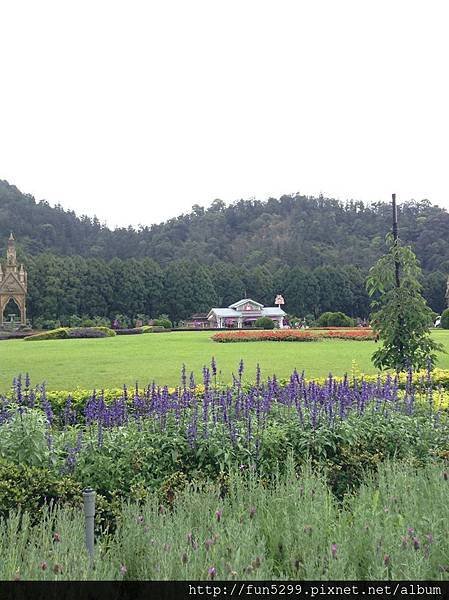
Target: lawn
111,362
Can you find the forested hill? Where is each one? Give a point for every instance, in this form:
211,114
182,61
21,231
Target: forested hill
315,251
294,230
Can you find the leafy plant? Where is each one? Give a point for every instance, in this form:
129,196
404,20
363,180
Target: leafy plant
24,438
400,314
264,323
445,319
335,319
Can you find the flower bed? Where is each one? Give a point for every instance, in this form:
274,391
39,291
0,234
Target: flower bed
293,335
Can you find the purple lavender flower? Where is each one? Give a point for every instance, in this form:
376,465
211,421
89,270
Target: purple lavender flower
241,368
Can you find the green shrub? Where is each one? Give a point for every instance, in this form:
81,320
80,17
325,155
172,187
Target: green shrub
29,488
54,334
75,321
165,323
87,322
445,319
91,332
122,322
264,323
63,333
23,438
101,321
335,319
47,324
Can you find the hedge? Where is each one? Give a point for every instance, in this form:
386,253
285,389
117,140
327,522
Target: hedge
64,333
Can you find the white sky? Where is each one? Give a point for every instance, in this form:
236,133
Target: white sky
134,111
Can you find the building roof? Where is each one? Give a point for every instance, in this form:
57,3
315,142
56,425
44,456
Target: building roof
244,301
231,311
273,310
224,312
267,311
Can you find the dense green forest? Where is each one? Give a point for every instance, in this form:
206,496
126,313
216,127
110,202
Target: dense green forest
316,251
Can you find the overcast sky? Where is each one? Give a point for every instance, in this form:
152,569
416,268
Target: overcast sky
134,111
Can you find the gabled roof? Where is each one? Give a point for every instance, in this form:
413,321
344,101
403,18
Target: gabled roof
244,301
224,312
12,284
274,311
267,311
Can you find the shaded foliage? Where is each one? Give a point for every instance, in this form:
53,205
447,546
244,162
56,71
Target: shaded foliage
316,251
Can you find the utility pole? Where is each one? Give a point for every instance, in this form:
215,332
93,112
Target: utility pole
396,267
395,238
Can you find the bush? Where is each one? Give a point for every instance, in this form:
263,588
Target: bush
63,333
264,323
165,323
87,322
75,321
143,329
91,332
101,321
335,319
121,322
31,487
40,323
445,319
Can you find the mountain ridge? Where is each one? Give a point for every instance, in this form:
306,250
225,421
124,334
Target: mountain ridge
290,230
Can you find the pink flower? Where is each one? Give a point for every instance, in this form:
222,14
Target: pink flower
56,537
44,565
212,572
218,514
123,570
334,550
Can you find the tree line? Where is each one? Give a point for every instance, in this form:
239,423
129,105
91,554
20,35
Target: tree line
63,286
315,251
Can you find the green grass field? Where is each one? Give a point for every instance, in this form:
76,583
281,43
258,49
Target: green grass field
111,362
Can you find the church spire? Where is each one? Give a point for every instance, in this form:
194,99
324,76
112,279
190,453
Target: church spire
11,257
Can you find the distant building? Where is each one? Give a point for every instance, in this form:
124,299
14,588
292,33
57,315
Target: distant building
243,314
13,283
197,321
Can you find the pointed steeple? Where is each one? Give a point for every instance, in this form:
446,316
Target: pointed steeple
11,258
